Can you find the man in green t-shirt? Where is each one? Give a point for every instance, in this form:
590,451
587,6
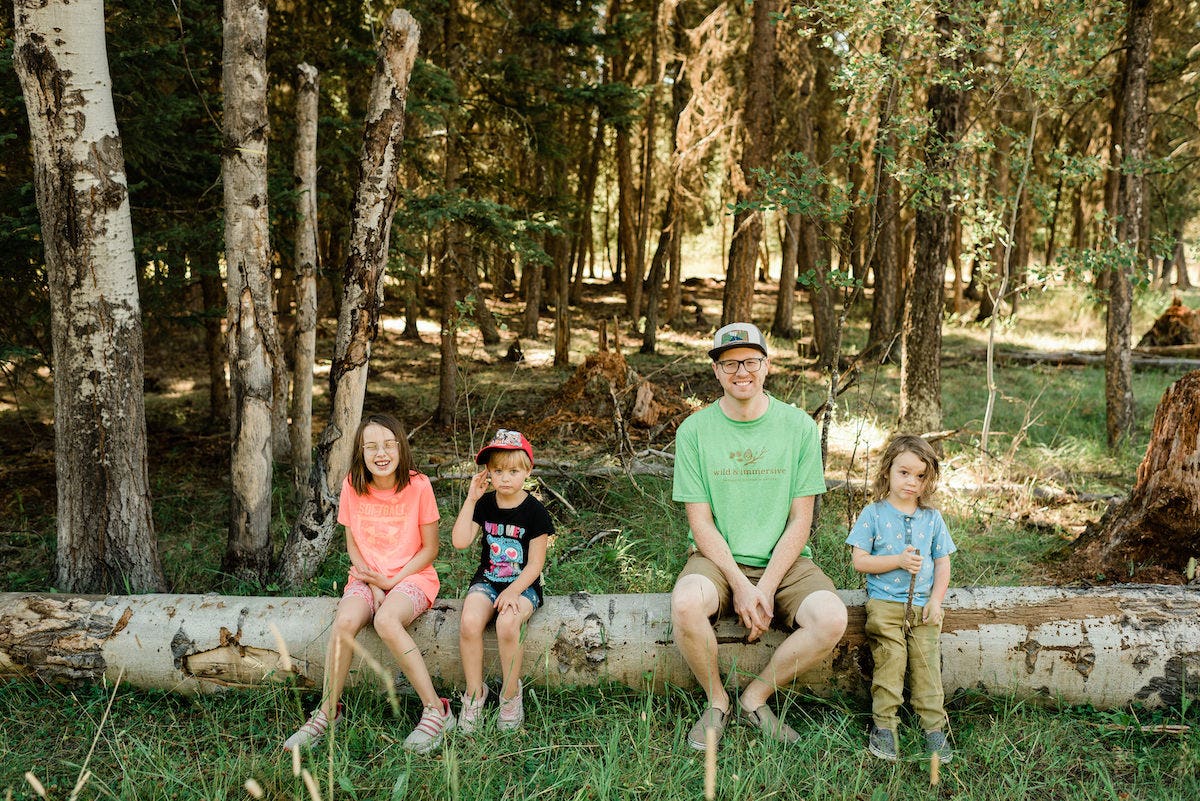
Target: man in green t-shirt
747,468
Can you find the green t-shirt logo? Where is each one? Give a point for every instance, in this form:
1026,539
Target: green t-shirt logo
747,457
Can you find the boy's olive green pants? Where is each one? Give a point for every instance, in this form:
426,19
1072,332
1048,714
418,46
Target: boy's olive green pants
898,655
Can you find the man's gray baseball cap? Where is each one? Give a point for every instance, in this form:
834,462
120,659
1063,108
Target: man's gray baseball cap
737,335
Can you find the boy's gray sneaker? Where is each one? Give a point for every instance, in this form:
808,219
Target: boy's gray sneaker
935,743
882,743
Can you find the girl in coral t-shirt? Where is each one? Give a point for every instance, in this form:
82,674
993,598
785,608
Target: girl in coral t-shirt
391,521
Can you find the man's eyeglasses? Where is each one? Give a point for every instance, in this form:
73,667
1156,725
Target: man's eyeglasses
388,445
730,366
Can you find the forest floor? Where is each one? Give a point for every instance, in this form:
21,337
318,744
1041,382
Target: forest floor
1043,476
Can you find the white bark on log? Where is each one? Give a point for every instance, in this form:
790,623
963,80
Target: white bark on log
1109,647
305,170
105,527
375,202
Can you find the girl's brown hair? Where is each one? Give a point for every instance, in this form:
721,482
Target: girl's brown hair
908,443
360,477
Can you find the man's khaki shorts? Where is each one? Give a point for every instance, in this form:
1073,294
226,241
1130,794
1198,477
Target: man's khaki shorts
802,579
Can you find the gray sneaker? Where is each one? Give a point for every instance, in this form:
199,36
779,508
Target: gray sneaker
512,711
711,718
935,743
882,743
769,724
471,713
313,730
431,728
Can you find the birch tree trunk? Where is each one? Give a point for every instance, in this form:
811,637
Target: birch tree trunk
106,536
253,341
305,353
1131,191
375,202
921,335
998,189
1109,647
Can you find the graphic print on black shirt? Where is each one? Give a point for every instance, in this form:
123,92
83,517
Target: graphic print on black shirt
507,534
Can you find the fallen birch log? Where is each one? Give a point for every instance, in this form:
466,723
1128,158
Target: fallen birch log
1109,647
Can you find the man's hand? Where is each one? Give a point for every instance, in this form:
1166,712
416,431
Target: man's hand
910,560
753,608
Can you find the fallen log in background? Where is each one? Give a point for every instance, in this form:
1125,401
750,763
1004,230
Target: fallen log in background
1109,647
1142,358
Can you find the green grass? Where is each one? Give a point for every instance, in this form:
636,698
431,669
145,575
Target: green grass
606,743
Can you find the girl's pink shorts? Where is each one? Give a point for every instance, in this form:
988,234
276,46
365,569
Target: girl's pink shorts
360,589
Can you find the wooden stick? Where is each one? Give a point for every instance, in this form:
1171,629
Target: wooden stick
710,763
557,496
608,532
908,605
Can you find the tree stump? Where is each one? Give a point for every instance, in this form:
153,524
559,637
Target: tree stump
1153,533
604,391
1178,325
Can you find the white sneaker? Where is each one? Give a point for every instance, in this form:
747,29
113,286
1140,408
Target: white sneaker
471,713
512,711
431,728
313,730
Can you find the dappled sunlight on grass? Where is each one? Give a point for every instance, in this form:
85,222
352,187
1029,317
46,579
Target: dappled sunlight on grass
1061,318
853,442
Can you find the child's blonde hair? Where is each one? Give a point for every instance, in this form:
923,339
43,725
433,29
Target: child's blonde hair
360,477
501,460
908,443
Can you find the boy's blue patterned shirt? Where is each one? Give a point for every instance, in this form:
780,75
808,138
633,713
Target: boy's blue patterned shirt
881,530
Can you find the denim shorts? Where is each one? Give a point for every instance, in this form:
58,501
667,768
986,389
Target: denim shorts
493,593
